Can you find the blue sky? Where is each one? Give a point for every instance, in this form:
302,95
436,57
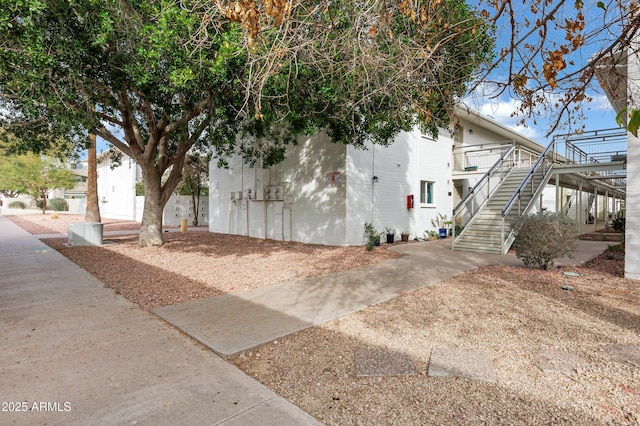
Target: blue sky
599,113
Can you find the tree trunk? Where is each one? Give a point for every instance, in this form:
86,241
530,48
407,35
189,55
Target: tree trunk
44,201
195,202
156,195
92,210
151,228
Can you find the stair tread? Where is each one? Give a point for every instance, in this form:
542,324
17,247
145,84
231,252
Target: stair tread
484,234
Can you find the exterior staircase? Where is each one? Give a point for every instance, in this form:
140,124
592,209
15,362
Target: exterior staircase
483,233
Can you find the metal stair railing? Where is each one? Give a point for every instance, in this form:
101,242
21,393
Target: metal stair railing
467,209
474,158
522,199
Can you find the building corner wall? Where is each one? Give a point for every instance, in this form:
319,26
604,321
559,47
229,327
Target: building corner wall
310,204
632,210
632,204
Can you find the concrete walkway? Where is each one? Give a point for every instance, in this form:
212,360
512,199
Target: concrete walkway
73,352
232,323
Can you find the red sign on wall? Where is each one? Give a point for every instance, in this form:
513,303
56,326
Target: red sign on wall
334,179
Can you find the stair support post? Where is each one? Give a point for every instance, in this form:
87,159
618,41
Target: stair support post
502,238
558,206
579,209
595,209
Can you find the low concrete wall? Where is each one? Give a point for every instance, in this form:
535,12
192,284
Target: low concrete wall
181,207
77,205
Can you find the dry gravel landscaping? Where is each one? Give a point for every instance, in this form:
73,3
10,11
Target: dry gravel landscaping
560,356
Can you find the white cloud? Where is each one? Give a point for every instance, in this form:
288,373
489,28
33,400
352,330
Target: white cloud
529,132
502,112
600,102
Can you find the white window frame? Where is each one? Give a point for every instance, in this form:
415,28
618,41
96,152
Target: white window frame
424,193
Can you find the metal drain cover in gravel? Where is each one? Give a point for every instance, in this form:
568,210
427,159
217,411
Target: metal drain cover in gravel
448,363
383,362
624,353
552,360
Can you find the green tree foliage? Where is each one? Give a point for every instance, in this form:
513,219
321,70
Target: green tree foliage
195,182
543,237
195,176
57,150
362,70
34,175
122,70
130,72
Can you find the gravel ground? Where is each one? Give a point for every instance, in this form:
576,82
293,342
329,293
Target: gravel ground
513,315
194,265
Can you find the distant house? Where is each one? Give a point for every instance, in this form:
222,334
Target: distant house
118,199
117,188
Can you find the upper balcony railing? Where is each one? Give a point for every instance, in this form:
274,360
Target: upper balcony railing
596,147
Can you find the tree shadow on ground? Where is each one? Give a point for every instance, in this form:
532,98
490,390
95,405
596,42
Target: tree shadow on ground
148,275
587,294
329,365
147,286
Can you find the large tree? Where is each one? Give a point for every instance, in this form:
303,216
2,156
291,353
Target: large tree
121,70
548,52
131,73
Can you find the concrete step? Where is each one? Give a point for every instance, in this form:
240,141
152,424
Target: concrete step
478,249
481,237
484,234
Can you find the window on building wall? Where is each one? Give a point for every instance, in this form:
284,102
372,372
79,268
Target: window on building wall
426,192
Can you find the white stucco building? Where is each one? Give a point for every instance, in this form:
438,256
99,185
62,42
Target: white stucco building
117,188
632,237
324,193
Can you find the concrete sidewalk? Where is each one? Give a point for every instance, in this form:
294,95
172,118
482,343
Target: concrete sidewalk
232,323
74,352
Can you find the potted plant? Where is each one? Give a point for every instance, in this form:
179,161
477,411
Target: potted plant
439,222
449,226
390,235
404,236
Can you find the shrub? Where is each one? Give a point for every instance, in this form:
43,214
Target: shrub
543,237
619,224
17,205
371,236
58,204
